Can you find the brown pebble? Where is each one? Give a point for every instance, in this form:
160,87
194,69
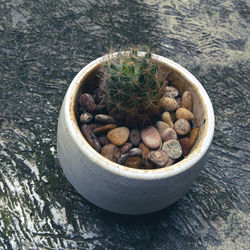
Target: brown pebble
86,117
187,101
170,162
111,152
87,101
104,129
169,134
135,152
185,145
94,126
182,113
145,151
126,147
161,127
182,127
193,135
168,104
133,162
103,139
159,157
118,136
90,137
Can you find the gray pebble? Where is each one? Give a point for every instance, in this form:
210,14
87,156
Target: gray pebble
135,137
86,117
104,118
135,152
173,148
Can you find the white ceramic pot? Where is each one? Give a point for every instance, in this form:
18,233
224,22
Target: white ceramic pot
118,188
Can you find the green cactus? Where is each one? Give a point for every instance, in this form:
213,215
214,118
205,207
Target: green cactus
132,87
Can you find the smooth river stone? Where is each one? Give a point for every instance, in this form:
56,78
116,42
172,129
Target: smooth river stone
151,137
118,136
161,127
159,158
111,152
135,137
173,149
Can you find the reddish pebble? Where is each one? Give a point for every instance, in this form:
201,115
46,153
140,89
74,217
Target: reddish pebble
159,158
103,139
90,137
126,147
87,101
111,152
151,137
169,134
185,145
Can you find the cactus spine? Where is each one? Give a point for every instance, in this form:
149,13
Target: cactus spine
132,87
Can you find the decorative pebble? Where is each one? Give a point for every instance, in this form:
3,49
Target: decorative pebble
88,102
126,147
182,127
94,126
170,162
103,139
104,118
169,134
159,158
151,137
111,152
133,162
122,158
173,149
166,117
104,129
185,145
135,137
145,151
171,91
178,99
135,152
182,113
193,135
90,137
168,104
161,127
187,101
118,136
86,117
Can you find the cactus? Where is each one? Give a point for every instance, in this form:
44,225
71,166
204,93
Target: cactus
132,86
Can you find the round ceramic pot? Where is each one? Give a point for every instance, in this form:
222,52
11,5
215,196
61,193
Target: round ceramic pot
118,188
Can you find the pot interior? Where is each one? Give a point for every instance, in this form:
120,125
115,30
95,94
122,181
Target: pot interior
91,80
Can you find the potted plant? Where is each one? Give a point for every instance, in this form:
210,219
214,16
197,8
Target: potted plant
132,92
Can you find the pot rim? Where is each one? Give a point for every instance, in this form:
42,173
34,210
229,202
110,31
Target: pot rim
177,168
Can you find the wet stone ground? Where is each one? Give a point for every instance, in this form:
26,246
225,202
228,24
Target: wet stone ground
43,44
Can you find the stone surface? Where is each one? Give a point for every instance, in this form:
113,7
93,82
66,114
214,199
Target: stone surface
169,134
194,135
103,139
87,102
161,127
118,136
173,149
145,151
86,117
90,137
135,137
133,162
185,145
187,101
104,118
159,158
182,113
171,91
111,152
104,129
166,117
135,152
182,127
151,137
126,147
168,104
